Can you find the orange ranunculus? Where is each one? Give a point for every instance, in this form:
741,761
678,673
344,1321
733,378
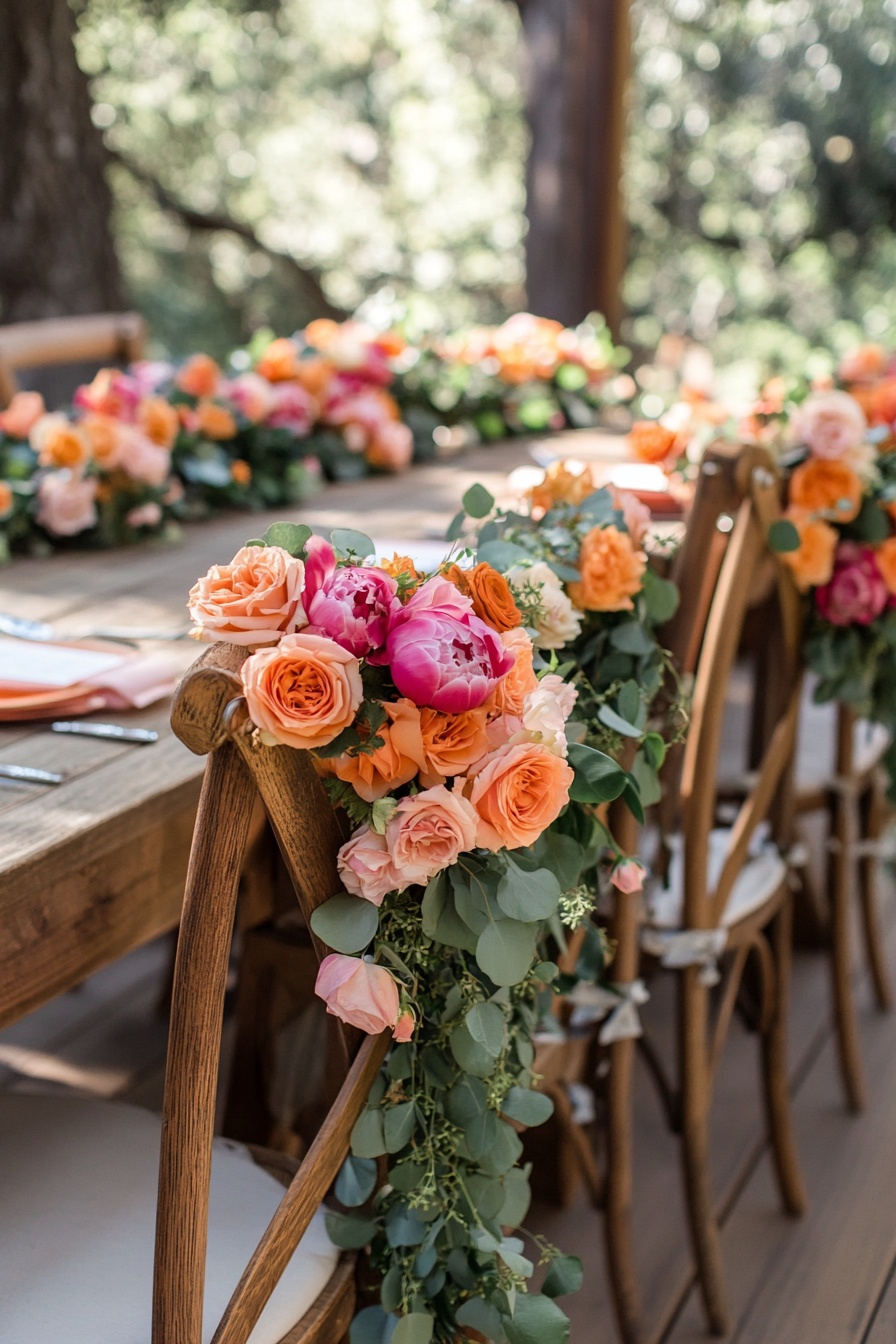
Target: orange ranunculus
321,333
825,485
396,762
7,499
214,421
883,402
279,362
199,377
452,743
612,570
302,692
562,485
59,443
813,564
885,555
104,433
490,594
652,442
158,420
518,791
21,413
403,565
510,693
240,471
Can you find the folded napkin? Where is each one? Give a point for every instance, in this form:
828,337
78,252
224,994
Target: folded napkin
40,680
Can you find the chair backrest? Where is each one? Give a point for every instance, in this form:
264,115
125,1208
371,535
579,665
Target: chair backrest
116,337
210,717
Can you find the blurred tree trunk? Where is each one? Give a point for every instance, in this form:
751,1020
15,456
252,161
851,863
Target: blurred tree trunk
578,56
56,250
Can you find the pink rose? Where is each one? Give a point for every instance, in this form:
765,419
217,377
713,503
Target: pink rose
66,503
445,662
111,393
404,1028
831,424
635,513
360,993
440,597
366,868
21,413
253,600
856,592
150,374
292,408
428,832
251,395
142,459
354,606
627,875
145,515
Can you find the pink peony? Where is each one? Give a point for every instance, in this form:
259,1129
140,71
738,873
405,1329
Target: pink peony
831,424
360,993
856,592
320,565
365,866
292,408
445,661
429,831
354,606
66,503
627,875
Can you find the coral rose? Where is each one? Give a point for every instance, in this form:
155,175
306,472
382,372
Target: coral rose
253,600
159,420
557,622
490,594
199,377
303,691
251,395
813,563
863,363
510,693
517,792
21,413
825,486
612,570
365,866
652,442
885,555
105,435
451,743
856,593
882,403
374,774
354,607
360,993
831,424
66,503
215,421
429,831
58,443
402,566
111,393
278,363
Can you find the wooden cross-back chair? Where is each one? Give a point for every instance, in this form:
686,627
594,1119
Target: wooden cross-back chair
116,337
236,1256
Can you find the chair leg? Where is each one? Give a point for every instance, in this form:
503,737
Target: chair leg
840,869
872,811
774,1068
618,1192
696,1090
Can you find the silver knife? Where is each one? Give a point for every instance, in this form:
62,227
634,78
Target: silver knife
29,775
143,736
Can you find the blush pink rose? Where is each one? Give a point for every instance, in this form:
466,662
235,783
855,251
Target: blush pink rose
354,607
21,413
360,993
66,503
253,600
404,1027
142,459
627,875
831,424
428,832
635,513
145,515
856,592
302,692
292,408
366,868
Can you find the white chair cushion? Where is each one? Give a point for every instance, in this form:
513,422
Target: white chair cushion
816,743
78,1186
760,876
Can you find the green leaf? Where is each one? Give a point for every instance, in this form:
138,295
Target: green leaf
563,855
403,1227
654,748
398,1125
416,1328
345,923
598,778
372,1326
291,537
485,1023
346,541
480,1134
537,1320
564,1276
478,502
391,1289
459,1269
527,1107
356,1181
486,1194
480,1315
517,1197
456,526
647,780
632,799
405,1177
502,555
660,597
400,1064
505,950
368,1139
503,1151
628,702
618,724
466,1100
349,1231
439,917
527,896
632,638
782,536
470,900
470,1055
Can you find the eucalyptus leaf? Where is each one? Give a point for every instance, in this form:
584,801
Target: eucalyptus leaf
372,1326
486,1194
368,1139
416,1328
439,917
537,1320
503,1151
502,555
406,1176
617,723
403,1227
480,1315
292,537
485,1023
478,502
345,923
356,1181
517,1197
564,1276
505,951
527,1107
480,1133
660,597
398,1125
347,541
349,1231
527,896
632,638
456,526
598,778
563,855
782,536
470,1055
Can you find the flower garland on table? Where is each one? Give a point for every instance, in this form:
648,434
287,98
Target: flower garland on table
419,701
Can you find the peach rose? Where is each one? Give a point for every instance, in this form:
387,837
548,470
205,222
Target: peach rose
199,377
158,420
58,443
362,994
652,442
885,555
21,413
511,691
831,424
253,600
813,563
428,832
279,361
374,774
303,691
451,743
105,435
391,447
366,868
862,364
214,421
7,499
822,485
612,570
490,594
517,792
66,503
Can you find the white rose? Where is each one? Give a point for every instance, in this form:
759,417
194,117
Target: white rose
545,711
559,622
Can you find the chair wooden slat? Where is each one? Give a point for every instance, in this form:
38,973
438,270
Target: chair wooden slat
117,337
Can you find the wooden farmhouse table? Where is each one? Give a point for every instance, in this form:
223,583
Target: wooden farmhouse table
95,866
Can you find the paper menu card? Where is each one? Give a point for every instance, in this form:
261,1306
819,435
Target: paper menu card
26,664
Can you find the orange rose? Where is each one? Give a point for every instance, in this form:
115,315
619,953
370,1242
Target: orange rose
612,570
241,471
21,413
511,691
279,362
58,443
321,333
813,564
314,375
396,762
652,442
885,555
862,364
214,421
824,485
199,377
518,791
883,402
302,692
7,499
253,600
563,485
158,420
490,594
402,566
452,743
105,437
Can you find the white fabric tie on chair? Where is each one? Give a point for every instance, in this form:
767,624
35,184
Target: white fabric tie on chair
617,1004
687,947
